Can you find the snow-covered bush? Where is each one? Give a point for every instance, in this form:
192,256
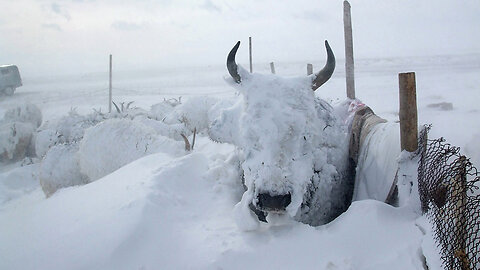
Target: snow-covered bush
60,168
17,130
160,110
117,142
193,113
15,140
67,129
25,113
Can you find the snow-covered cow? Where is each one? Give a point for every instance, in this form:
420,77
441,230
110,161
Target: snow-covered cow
293,147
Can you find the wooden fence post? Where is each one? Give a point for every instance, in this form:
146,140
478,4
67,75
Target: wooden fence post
272,67
459,194
110,87
309,69
349,66
250,53
408,112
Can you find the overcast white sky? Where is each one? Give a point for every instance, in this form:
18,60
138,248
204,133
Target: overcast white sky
76,36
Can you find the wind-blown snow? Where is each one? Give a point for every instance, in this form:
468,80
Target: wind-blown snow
159,212
177,212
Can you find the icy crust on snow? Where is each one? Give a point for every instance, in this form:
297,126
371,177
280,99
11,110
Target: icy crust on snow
291,143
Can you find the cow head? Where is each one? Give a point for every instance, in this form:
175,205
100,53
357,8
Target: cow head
280,133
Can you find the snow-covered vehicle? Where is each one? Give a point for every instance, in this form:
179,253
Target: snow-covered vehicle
293,145
9,79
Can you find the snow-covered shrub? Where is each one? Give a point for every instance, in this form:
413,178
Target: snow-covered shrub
15,138
160,110
67,129
172,131
117,142
17,130
60,168
193,113
25,113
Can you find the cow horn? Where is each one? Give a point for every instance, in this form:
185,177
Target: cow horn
323,75
231,65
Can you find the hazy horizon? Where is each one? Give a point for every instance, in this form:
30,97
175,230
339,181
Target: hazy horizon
76,36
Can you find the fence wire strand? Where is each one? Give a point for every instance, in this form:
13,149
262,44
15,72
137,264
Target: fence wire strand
448,185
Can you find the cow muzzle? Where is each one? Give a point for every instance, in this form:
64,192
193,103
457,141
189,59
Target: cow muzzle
273,203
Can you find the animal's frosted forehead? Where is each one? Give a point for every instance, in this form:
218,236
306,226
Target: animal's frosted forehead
272,86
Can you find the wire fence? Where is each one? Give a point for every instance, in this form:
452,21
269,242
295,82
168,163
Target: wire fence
448,185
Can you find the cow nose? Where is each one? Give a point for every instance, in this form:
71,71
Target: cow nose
268,202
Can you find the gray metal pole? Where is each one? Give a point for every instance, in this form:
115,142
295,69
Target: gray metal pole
110,87
250,52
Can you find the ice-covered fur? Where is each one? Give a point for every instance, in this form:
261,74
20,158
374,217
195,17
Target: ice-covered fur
60,169
17,130
15,140
291,142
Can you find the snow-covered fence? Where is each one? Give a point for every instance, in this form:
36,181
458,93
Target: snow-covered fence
448,186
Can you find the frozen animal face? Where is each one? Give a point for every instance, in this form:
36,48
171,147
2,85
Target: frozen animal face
279,134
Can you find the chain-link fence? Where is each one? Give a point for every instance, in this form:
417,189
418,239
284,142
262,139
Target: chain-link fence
448,184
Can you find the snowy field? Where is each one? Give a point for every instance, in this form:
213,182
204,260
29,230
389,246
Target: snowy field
174,210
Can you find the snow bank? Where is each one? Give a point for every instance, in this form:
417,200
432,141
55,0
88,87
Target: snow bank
18,182
157,211
116,142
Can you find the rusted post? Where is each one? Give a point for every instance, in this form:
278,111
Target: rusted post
459,194
110,87
408,112
349,66
272,67
250,53
309,69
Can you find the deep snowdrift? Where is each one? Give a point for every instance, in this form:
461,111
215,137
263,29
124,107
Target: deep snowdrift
176,213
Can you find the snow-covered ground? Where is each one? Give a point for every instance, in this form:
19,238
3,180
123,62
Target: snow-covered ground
175,210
